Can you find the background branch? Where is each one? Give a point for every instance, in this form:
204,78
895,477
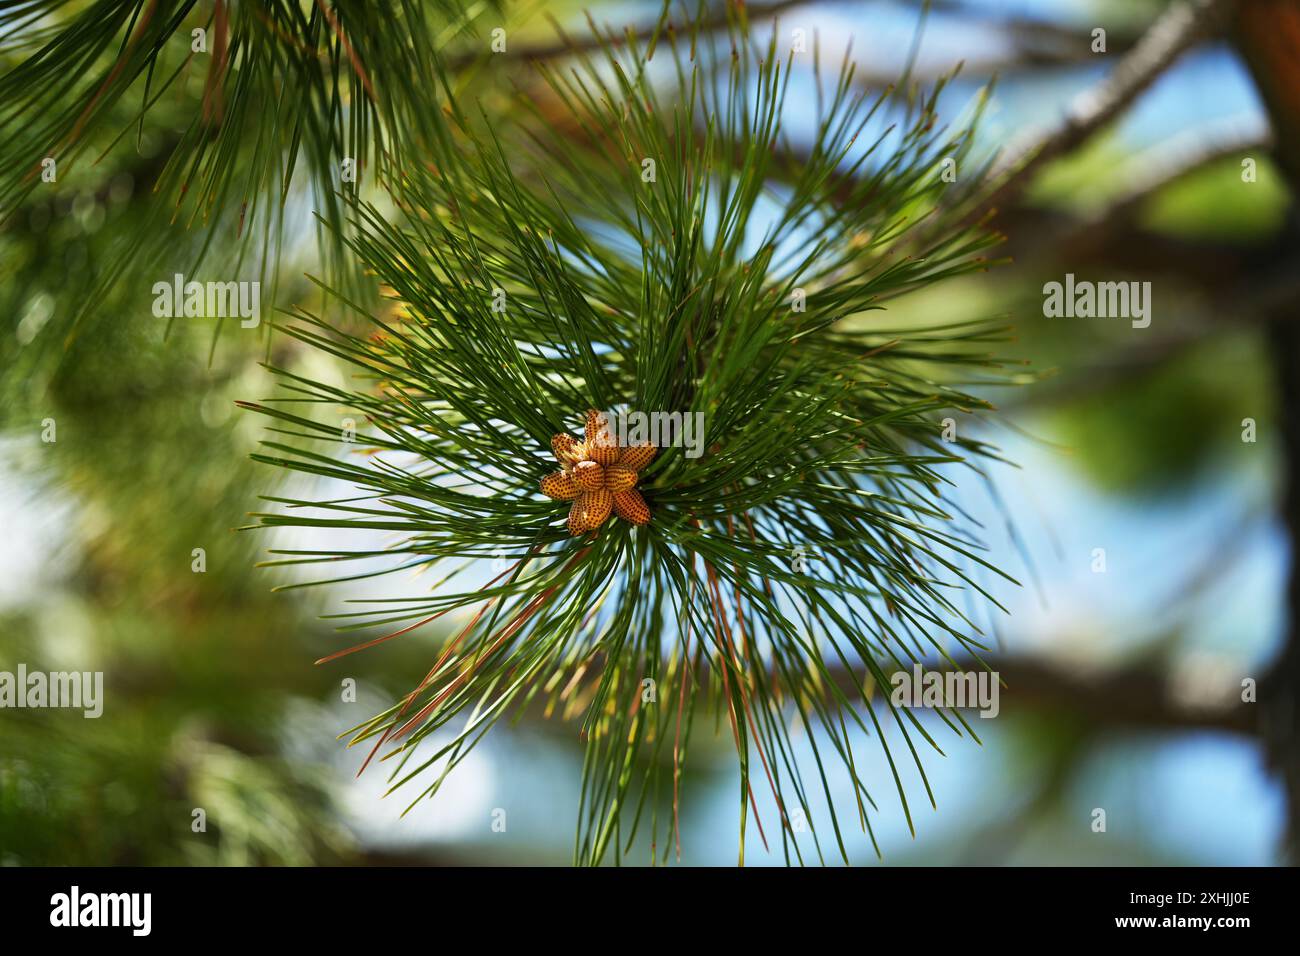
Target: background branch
1181,27
1131,698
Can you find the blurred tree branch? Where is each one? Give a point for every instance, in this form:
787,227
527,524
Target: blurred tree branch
1136,698
1173,162
1267,33
1034,43
1211,263
1247,304
567,45
1179,28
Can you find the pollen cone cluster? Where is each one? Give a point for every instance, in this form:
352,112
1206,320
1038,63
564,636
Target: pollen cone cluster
598,476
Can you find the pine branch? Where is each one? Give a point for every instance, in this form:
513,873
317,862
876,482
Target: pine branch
640,253
317,100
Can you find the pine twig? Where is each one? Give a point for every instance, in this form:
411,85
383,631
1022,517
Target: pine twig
1181,27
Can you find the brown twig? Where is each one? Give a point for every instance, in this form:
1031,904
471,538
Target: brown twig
1181,27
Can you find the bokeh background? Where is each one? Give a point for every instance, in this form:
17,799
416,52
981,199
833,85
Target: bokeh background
1124,685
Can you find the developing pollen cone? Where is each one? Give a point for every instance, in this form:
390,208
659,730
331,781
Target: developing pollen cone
598,476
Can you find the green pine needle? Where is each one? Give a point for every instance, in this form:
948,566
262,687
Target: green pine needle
676,294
